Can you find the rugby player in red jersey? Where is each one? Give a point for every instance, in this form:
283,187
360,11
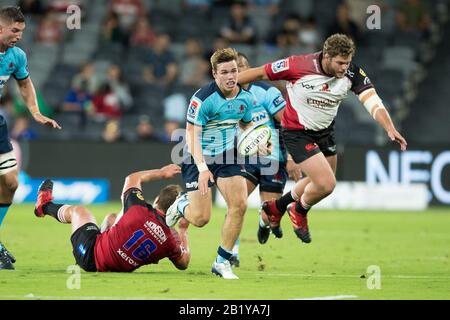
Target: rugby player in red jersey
316,85
139,235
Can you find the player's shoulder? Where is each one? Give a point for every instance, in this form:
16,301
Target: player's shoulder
264,85
18,52
206,91
354,70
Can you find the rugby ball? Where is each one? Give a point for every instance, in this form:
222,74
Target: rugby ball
250,139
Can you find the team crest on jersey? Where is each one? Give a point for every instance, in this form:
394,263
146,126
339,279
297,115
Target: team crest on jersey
280,65
139,195
193,107
361,71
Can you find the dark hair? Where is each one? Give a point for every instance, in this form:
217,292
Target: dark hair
339,45
12,14
167,196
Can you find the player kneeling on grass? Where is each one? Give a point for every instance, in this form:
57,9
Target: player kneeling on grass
137,236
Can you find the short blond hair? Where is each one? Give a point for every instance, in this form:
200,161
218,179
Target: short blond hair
223,55
339,45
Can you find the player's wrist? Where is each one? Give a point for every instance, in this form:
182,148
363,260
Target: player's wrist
202,167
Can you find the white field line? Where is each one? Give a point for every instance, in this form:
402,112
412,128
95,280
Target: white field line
354,276
339,297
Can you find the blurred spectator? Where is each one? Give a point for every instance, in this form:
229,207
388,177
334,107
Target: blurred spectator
119,86
21,130
79,100
193,67
143,34
202,5
86,77
309,35
106,103
128,12
160,66
145,130
272,6
288,36
218,43
111,31
49,30
175,106
344,24
240,28
414,16
31,7
112,131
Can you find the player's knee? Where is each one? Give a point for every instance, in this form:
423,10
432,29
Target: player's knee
12,184
326,187
200,221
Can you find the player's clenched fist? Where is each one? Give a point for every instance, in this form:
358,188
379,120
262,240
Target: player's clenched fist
170,170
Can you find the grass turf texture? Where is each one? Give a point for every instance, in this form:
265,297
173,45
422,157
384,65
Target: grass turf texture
411,248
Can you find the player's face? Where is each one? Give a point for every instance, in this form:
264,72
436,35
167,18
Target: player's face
337,66
226,75
11,33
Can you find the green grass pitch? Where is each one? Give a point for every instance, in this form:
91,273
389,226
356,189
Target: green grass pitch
411,249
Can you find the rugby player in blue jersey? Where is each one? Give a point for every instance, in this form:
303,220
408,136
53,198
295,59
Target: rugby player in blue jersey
270,172
13,62
215,112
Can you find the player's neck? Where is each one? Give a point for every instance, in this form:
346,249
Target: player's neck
230,94
3,48
324,68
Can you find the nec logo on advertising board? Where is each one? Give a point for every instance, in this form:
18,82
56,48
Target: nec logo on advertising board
280,65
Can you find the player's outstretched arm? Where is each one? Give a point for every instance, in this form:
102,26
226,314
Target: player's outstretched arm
28,93
182,262
374,105
252,74
136,179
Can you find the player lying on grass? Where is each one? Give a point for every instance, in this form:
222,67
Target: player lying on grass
139,234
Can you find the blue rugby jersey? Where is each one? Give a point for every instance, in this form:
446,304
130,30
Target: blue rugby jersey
219,117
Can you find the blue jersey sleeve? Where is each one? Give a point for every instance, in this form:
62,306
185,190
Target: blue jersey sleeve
274,101
197,113
21,72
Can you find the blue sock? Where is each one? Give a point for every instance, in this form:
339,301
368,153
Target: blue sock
3,210
223,255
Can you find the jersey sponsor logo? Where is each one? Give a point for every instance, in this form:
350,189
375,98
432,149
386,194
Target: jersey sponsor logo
192,185
156,231
259,117
332,148
193,107
311,146
125,257
367,81
350,73
307,86
278,101
241,108
280,65
320,103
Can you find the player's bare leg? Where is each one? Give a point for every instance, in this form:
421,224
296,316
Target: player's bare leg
8,186
198,212
75,215
234,191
